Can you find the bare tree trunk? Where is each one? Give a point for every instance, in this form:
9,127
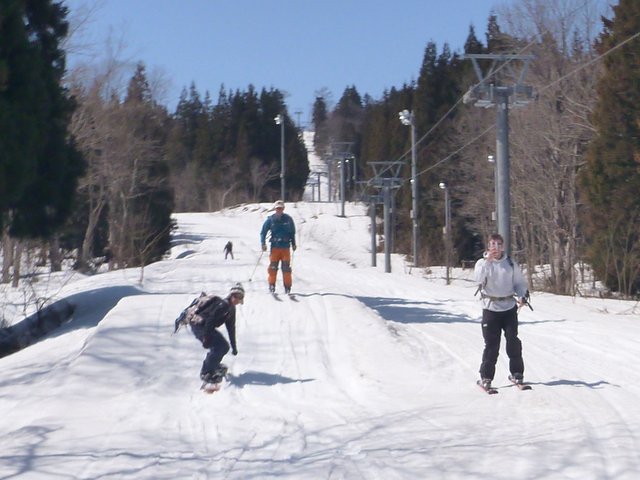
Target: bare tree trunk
16,263
7,257
8,254
223,196
89,235
55,255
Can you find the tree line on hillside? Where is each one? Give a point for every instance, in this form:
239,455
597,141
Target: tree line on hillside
93,171
573,150
203,157
93,167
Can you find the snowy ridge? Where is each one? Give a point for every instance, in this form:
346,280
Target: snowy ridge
368,375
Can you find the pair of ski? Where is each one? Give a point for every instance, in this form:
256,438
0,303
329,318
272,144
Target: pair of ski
290,295
493,391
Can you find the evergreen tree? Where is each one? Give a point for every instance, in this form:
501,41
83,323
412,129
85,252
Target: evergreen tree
204,149
236,149
320,117
347,117
500,42
427,90
495,38
384,137
428,105
40,165
611,178
472,44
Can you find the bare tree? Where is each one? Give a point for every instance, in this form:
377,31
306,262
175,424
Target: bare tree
145,239
261,174
91,127
97,82
549,136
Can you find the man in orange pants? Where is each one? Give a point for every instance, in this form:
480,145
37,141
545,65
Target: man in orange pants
283,237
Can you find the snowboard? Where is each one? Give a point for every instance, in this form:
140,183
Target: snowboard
211,388
215,384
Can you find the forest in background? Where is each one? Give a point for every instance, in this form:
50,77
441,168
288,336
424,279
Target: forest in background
115,164
574,147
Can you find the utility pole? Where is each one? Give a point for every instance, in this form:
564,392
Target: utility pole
341,151
447,228
408,118
492,161
373,200
279,119
491,92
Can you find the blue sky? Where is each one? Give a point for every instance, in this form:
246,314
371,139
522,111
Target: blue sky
296,46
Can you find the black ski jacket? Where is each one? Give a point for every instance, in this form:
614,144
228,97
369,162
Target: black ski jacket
215,315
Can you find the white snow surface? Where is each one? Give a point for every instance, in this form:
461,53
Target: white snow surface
366,375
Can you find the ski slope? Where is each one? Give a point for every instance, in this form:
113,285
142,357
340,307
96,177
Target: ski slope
367,375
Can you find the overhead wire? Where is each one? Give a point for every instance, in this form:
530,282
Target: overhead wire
571,73
493,74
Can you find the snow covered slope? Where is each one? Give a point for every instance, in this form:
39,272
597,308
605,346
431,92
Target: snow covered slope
367,375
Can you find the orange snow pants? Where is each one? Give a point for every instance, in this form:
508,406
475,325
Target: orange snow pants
280,255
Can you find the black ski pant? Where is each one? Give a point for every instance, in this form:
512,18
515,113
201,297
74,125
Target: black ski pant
493,324
218,348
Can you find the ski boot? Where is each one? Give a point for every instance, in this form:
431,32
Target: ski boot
485,384
516,378
212,381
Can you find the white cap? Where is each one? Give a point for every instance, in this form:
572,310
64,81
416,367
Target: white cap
278,204
238,291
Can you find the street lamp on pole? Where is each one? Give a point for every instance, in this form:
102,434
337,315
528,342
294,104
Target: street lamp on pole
447,227
407,118
279,119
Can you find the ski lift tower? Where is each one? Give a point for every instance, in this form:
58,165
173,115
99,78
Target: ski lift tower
500,84
372,199
318,172
387,179
341,152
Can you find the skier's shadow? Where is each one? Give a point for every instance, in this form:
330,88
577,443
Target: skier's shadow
262,378
568,383
578,383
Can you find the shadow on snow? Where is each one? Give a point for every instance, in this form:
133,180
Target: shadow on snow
262,378
82,310
409,311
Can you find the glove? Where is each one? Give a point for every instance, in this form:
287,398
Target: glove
234,352
264,247
294,246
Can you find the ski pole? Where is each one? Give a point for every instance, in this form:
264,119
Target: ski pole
256,267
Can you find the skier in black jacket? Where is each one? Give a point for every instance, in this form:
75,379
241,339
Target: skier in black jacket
228,250
214,315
